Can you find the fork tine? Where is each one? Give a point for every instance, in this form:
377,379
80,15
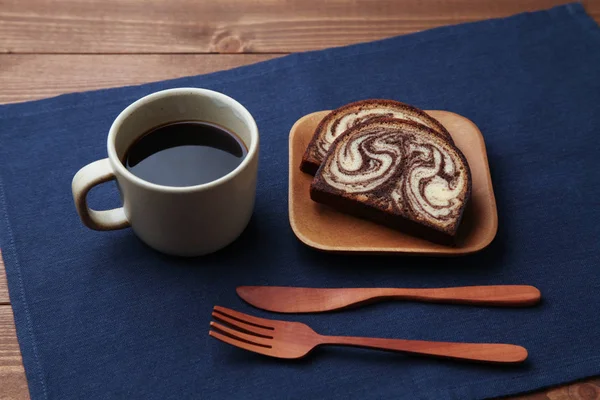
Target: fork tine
241,335
244,326
261,322
242,345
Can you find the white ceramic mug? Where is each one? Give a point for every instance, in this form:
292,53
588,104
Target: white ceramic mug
184,221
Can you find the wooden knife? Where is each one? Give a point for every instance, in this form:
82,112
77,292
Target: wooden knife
313,300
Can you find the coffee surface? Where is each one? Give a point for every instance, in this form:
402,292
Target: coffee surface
185,153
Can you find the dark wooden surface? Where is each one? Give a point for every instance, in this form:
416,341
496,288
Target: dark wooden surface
61,46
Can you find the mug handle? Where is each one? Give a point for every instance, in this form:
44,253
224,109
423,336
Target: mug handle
84,180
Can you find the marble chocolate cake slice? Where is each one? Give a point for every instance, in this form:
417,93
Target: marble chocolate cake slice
397,173
345,117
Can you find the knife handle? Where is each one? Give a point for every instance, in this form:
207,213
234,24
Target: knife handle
501,295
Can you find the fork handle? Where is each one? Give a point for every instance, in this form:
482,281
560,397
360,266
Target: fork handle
482,352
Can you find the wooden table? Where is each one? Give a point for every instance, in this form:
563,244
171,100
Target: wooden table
49,48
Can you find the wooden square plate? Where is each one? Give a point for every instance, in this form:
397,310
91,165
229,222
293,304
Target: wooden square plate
326,229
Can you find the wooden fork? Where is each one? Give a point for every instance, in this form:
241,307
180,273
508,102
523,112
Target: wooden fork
285,339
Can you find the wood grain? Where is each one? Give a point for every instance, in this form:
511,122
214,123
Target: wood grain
13,384
231,26
34,76
585,390
4,300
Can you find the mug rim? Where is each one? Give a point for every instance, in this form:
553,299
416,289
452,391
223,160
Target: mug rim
118,165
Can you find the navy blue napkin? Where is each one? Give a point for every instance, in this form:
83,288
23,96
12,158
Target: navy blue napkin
100,315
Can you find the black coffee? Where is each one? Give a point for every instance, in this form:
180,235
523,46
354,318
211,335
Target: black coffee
185,153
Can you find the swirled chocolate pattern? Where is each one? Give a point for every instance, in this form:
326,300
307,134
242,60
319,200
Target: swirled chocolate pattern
366,163
399,168
431,185
344,118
